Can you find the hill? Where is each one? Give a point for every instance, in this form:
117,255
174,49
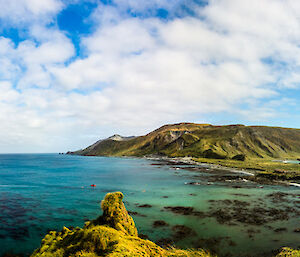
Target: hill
204,141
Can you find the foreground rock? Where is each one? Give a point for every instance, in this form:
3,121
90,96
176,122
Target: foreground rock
112,234
288,252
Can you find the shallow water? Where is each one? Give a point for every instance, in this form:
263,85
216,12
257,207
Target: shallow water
41,192
290,161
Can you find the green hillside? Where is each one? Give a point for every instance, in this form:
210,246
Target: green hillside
204,141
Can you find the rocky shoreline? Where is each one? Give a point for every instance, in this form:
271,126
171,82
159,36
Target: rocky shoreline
250,174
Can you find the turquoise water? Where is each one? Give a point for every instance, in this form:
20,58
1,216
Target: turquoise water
41,192
289,161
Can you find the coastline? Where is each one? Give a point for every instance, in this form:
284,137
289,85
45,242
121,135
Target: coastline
254,173
190,161
267,175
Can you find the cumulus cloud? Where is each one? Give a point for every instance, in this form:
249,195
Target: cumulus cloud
141,72
21,12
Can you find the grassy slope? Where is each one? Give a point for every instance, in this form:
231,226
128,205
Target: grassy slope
203,140
264,167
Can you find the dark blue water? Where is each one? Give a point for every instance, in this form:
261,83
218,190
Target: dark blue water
42,192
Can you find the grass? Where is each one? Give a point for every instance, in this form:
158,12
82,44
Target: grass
263,167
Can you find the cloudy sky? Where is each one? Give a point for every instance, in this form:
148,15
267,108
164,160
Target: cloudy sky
72,72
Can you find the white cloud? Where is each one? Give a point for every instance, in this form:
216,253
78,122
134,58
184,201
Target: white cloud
140,73
20,12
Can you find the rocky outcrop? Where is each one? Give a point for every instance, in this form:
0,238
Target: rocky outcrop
288,252
117,137
113,234
115,214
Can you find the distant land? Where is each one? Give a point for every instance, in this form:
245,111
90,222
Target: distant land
237,142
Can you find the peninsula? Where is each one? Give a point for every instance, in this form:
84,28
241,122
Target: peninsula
260,148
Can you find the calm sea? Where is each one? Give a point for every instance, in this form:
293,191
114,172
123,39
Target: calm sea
42,192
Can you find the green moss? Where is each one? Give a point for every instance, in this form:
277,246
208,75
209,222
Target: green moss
115,214
113,235
288,252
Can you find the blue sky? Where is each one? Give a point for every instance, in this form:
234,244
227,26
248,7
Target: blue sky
72,72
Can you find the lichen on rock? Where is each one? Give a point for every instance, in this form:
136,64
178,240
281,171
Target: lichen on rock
288,252
115,214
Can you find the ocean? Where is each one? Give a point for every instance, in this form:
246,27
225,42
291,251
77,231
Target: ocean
231,216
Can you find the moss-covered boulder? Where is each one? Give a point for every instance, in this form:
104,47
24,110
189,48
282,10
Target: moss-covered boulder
115,214
112,234
288,252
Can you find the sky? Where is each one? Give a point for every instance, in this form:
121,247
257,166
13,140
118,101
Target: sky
73,72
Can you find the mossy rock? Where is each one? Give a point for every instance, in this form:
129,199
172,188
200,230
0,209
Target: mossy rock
115,214
288,252
113,234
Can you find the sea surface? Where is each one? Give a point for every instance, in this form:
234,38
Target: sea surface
42,192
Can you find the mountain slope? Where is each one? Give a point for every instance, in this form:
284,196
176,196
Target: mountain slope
204,140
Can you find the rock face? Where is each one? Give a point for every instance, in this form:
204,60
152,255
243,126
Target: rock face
113,235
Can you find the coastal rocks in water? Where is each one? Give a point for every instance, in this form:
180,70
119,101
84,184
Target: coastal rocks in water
134,213
180,209
251,232
185,211
278,197
111,235
144,206
159,223
277,230
233,211
193,183
181,232
228,211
